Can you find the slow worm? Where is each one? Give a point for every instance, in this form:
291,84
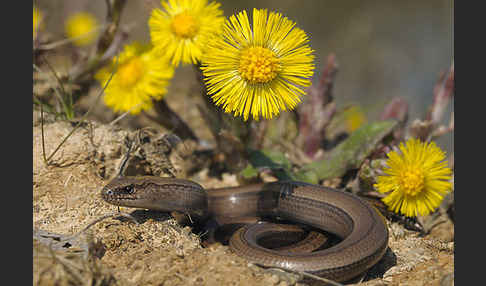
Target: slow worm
361,227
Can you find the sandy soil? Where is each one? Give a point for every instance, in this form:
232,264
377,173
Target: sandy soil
158,250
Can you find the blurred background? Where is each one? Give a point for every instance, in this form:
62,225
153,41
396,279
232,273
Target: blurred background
383,48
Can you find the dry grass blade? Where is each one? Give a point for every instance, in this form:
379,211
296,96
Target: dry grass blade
68,267
322,279
46,160
66,106
123,115
57,44
100,219
108,42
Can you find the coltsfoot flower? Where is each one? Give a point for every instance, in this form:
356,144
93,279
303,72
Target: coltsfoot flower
82,27
140,77
355,118
416,180
258,69
181,31
37,19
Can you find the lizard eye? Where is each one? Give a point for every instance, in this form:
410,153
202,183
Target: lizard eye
129,189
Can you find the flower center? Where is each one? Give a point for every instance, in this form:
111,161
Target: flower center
258,65
412,182
184,25
130,72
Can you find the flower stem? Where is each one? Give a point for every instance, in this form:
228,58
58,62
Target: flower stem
170,120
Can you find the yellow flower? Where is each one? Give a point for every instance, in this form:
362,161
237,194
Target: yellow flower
82,28
355,118
140,76
37,21
416,180
258,69
181,31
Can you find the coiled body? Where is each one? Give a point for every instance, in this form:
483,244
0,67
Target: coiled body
362,229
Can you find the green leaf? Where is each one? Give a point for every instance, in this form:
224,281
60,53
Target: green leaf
349,154
249,172
276,161
346,156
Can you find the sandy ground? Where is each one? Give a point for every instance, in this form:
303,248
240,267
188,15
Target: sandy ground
158,250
